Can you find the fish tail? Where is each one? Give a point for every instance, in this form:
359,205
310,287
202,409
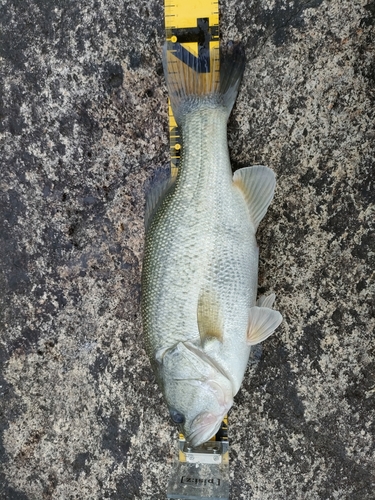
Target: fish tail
208,80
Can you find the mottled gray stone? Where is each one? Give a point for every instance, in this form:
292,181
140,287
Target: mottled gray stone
84,127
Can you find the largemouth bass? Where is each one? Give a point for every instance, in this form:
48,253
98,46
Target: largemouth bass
200,269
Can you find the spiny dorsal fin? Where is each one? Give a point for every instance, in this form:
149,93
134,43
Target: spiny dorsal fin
262,323
210,321
257,184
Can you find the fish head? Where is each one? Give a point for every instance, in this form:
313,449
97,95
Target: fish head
197,392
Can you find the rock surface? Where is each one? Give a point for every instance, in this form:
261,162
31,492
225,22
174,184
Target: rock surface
84,127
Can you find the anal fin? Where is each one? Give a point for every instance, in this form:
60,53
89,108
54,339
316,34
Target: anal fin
266,300
263,321
257,185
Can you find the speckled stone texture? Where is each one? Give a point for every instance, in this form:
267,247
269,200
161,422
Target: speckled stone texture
84,127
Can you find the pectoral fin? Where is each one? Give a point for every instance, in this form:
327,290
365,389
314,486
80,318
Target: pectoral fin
210,321
257,185
262,323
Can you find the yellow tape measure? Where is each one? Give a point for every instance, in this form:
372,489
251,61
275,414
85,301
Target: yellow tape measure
193,24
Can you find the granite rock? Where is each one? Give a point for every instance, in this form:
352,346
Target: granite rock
83,122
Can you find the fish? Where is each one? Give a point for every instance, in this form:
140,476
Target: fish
201,317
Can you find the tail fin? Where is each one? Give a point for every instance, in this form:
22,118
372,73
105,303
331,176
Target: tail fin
191,84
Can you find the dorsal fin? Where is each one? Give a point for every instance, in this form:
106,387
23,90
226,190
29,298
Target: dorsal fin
155,197
210,321
257,184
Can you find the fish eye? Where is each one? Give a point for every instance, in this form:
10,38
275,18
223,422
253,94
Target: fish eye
177,417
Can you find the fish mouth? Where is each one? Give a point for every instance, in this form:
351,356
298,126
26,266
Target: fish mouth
204,426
